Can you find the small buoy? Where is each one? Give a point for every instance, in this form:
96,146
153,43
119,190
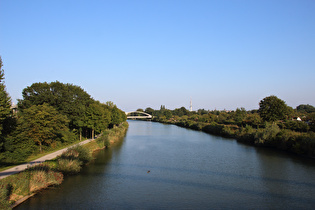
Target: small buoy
148,171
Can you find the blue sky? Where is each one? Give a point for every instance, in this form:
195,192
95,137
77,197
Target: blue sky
222,54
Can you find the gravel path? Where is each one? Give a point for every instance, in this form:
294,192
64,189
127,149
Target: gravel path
22,167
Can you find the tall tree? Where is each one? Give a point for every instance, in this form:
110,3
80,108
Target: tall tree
43,124
97,118
5,104
305,108
272,108
117,116
68,99
149,110
239,115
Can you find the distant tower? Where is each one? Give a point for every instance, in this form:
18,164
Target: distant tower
190,105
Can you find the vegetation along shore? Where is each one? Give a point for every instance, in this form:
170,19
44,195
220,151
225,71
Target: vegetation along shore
19,187
49,117
274,124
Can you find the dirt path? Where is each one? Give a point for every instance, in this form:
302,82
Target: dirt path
22,167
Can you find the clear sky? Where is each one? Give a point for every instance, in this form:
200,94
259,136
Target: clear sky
222,54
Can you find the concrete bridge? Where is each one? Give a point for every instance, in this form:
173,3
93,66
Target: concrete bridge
138,115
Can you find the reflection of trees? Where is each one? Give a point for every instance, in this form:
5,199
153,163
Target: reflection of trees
274,173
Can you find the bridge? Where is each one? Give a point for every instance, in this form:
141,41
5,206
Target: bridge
138,115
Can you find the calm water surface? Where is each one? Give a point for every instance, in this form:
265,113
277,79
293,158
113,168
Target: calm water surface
188,170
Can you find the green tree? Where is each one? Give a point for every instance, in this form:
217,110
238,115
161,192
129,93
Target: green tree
202,111
5,104
97,118
253,119
239,115
311,121
167,114
43,124
117,116
181,111
272,108
149,110
305,108
68,99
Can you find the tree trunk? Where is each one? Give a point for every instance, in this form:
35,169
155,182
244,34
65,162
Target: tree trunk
92,133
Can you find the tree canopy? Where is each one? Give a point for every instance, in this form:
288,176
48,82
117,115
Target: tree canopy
272,108
5,104
43,123
305,108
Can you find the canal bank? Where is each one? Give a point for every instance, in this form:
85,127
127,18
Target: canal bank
188,170
270,136
11,187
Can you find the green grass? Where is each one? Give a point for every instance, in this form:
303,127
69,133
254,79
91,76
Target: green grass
51,172
34,157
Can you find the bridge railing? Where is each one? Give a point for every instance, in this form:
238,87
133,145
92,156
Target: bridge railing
143,115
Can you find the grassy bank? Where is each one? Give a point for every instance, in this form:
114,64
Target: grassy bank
268,135
24,184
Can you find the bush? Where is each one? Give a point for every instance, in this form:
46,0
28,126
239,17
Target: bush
5,191
229,130
69,166
299,126
305,145
70,162
213,128
267,135
31,180
84,154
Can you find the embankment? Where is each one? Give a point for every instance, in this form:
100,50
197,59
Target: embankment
269,136
17,188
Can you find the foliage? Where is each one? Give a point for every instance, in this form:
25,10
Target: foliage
239,115
149,110
43,124
272,109
51,172
97,117
29,181
283,132
305,108
268,134
51,115
5,111
295,125
117,115
69,166
84,154
71,161
68,99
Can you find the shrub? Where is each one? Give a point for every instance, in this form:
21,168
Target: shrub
68,166
267,135
5,191
31,180
84,154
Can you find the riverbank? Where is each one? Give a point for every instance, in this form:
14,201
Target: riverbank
18,187
271,135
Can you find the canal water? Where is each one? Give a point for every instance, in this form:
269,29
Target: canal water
161,166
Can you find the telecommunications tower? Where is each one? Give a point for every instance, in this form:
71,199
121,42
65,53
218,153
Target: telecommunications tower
190,105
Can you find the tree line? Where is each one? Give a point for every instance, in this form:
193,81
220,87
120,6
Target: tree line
274,124
49,116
